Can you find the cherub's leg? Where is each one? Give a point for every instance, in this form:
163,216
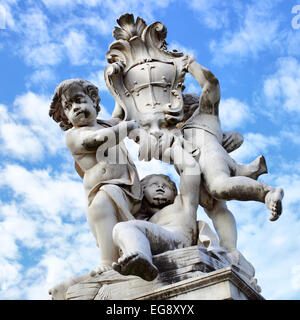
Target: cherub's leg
131,238
138,240
252,170
101,215
224,224
216,166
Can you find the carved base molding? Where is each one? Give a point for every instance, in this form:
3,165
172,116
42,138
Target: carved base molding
185,274
223,284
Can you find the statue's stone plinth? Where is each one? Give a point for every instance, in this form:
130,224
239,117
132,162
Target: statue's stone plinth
222,284
193,273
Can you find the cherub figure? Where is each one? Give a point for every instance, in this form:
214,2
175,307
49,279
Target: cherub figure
112,187
217,210
223,177
173,222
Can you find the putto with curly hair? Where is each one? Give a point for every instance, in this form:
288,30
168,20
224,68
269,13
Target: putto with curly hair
153,202
145,181
111,186
64,89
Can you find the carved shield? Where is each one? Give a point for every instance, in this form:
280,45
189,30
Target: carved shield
150,85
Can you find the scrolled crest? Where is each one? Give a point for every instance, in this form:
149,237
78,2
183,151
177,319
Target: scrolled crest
129,28
136,42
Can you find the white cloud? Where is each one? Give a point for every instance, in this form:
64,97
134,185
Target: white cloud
33,25
77,47
295,277
6,14
9,275
45,193
97,78
258,31
57,4
36,44
10,250
254,145
234,114
42,77
282,89
45,54
19,227
33,110
18,141
291,134
45,213
213,14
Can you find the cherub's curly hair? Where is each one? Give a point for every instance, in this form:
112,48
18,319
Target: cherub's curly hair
56,108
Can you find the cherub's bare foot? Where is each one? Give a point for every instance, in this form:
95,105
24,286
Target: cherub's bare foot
100,269
273,203
136,263
254,169
260,165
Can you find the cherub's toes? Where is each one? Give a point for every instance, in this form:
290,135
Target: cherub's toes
116,267
102,269
275,213
274,217
130,256
126,257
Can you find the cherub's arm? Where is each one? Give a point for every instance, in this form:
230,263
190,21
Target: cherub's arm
110,136
190,177
210,97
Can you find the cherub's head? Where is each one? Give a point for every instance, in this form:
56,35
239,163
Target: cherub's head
75,103
159,191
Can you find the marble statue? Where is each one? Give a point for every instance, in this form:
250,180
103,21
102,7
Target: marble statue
147,82
112,189
134,220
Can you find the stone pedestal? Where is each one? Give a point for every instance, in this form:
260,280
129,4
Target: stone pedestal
223,284
193,273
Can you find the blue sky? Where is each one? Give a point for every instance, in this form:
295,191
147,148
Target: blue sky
253,49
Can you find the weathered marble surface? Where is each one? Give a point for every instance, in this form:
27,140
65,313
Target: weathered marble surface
175,266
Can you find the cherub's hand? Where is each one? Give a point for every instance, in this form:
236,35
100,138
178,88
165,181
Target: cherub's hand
182,159
90,144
